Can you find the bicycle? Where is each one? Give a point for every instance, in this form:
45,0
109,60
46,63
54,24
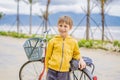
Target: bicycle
34,68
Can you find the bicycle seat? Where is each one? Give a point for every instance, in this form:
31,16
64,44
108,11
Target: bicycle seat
88,61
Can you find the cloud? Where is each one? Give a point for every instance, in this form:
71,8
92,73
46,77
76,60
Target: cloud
60,2
77,6
64,8
2,9
114,10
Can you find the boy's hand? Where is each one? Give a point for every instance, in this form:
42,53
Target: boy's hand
82,64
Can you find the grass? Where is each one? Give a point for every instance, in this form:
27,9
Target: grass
14,34
98,44
21,35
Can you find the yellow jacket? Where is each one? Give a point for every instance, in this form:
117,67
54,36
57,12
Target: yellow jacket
60,52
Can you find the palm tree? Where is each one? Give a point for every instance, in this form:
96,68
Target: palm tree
102,2
46,15
103,17
44,19
18,20
88,20
1,15
30,2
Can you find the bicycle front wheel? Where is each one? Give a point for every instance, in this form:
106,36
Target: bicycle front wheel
31,70
81,75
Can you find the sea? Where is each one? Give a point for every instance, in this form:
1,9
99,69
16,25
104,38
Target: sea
110,32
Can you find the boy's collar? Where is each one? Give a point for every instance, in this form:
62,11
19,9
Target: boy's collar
59,36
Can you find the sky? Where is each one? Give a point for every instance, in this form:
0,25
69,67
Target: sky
76,6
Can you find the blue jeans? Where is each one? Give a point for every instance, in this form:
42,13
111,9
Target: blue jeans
56,75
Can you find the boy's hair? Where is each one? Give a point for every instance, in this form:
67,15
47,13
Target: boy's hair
66,19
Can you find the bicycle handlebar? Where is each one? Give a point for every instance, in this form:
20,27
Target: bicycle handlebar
44,40
45,33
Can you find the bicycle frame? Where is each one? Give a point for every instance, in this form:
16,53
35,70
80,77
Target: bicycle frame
44,40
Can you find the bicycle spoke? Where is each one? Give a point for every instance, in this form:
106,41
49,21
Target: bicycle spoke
31,70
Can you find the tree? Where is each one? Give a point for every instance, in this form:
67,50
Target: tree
1,15
103,18
88,20
30,2
18,19
45,15
103,2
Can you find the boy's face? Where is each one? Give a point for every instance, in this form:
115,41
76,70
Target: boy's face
63,29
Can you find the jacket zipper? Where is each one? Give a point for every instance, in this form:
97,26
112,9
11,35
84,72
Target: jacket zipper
62,54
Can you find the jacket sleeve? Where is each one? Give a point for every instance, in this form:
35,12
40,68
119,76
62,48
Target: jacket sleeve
76,52
48,52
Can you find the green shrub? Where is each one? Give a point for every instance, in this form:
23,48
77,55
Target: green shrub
119,44
14,34
89,44
96,42
81,43
115,43
85,43
3,33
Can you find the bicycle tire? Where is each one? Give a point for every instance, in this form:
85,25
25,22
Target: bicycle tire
31,70
84,74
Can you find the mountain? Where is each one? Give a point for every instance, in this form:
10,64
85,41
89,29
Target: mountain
79,19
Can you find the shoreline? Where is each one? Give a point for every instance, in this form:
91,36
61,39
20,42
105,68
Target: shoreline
111,33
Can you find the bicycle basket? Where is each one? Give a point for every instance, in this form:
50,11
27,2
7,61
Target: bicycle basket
33,49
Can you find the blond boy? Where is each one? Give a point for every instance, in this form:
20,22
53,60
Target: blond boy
61,50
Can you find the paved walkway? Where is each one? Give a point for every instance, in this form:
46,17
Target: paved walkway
107,64
12,56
